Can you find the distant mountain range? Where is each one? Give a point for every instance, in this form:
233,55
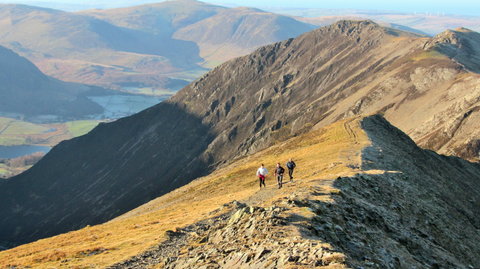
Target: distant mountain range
168,44
428,87
139,46
27,91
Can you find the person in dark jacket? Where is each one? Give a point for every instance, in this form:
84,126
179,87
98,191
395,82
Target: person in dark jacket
279,174
291,165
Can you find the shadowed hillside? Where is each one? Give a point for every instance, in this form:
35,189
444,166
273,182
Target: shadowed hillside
26,90
239,108
364,195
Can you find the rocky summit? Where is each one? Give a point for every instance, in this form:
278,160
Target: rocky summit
249,104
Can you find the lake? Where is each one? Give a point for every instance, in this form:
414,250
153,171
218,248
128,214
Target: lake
17,151
119,106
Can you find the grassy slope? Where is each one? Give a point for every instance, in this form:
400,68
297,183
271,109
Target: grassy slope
13,127
320,155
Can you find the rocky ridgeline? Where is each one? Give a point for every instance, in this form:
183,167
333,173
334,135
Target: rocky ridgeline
245,237
383,220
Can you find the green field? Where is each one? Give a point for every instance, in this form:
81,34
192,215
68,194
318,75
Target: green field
3,169
15,132
14,127
11,141
78,128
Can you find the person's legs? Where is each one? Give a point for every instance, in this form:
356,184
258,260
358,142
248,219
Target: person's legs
290,173
279,180
262,181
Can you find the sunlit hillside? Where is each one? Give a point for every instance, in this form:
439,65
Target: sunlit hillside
363,195
321,156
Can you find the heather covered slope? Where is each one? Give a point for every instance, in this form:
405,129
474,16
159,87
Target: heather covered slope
241,107
364,195
26,90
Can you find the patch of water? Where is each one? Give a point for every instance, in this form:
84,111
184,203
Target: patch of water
11,152
119,106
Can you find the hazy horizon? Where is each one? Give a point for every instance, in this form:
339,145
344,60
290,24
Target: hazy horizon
459,7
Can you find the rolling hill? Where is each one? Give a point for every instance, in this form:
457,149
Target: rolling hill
246,105
26,90
221,33
80,48
163,18
138,46
238,31
364,195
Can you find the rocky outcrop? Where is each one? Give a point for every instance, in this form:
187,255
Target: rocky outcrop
460,45
246,237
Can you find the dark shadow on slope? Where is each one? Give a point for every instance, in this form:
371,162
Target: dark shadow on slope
111,170
422,212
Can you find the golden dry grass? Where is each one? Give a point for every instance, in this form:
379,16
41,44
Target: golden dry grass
320,156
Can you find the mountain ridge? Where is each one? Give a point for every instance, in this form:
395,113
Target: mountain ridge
243,106
364,195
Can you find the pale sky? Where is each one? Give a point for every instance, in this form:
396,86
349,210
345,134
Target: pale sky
460,7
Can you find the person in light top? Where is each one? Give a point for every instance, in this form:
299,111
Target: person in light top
262,174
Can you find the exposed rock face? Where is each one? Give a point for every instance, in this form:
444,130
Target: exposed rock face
245,105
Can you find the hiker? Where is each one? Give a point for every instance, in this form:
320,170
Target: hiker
279,174
291,165
262,174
